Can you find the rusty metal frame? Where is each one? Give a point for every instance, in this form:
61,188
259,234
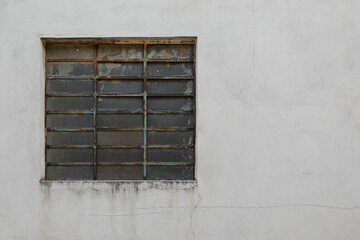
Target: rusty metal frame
105,41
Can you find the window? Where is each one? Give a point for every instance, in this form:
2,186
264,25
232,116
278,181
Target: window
120,109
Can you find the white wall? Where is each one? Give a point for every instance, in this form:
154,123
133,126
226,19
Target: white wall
278,123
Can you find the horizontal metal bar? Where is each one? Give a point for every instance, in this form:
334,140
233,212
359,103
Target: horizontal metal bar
119,112
70,129
69,94
169,129
70,146
69,60
119,77
70,164
118,146
121,164
118,129
142,94
145,163
170,163
120,94
170,77
170,60
115,146
69,112
170,95
69,78
106,60
170,146
169,111
142,77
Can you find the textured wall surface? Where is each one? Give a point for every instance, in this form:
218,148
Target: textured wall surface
278,123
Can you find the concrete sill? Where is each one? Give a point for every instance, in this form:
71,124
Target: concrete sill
136,185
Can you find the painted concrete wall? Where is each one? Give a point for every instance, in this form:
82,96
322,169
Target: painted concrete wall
278,134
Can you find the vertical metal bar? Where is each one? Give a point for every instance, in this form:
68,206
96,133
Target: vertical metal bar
95,106
145,109
194,100
44,47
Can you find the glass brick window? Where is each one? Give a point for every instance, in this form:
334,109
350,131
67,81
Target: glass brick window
120,109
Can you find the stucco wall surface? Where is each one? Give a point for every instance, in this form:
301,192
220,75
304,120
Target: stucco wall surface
278,123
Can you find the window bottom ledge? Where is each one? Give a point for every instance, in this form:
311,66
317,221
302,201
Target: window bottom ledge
136,185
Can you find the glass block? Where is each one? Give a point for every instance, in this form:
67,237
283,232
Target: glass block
69,69
171,138
70,86
120,155
122,86
119,120
69,51
120,69
170,69
170,155
121,51
170,86
70,155
168,103
69,121
170,51
69,172
120,172
69,138
170,173
120,104
120,138
69,103
170,121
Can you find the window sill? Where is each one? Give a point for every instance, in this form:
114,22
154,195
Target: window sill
136,185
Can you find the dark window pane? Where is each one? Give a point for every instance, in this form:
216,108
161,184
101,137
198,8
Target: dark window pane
69,121
172,86
170,69
120,172
170,138
69,103
69,172
70,86
123,86
170,121
120,155
69,51
120,103
170,172
120,138
120,121
70,69
120,69
167,103
121,51
170,155
70,155
170,51
70,138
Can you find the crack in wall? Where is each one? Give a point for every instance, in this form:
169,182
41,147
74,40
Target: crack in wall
196,206
192,213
